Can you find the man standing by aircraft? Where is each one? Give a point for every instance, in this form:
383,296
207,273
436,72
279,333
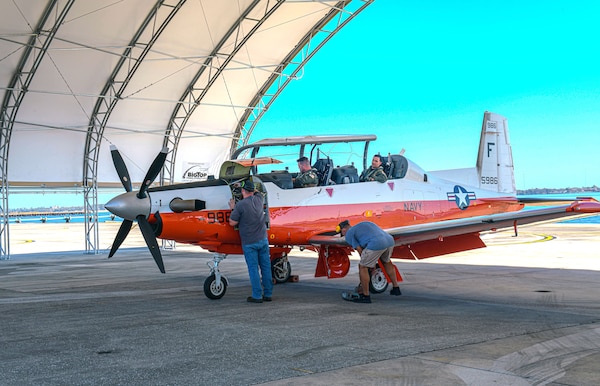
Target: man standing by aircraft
372,244
374,172
250,216
307,176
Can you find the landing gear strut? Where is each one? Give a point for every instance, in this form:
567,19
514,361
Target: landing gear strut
281,269
215,285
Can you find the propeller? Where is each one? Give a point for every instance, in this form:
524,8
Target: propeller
121,168
135,206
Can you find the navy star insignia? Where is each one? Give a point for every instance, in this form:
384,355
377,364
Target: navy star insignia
461,197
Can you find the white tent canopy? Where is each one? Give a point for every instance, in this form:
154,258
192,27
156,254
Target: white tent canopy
192,75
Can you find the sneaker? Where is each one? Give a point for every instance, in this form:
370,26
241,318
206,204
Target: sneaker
395,291
267,298
362,299
250,299
350,296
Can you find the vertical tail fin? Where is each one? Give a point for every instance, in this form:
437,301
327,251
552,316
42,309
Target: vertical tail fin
495,167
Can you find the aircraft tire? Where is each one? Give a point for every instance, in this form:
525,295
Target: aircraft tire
211,288
378,283
281,270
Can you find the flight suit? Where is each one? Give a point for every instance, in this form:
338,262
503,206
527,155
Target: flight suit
371,174
307,179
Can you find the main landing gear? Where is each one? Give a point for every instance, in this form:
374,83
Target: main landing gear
281,269
378,283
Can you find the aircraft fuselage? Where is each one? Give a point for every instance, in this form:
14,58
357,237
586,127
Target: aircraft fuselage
297,214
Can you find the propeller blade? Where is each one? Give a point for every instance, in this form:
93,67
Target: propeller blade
121,168
121,235
151,242
157,164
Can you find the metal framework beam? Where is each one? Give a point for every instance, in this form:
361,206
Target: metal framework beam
197,90
34,52
145,37
189,100
332,23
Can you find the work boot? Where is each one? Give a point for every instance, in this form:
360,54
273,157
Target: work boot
395,291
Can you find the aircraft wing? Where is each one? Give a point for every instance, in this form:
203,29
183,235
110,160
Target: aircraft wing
463,233
548,198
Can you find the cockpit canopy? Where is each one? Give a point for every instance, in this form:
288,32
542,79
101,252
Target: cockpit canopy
338,159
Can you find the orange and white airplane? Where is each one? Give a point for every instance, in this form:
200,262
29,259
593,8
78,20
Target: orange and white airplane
428,213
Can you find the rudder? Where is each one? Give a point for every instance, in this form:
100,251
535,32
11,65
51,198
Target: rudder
495,166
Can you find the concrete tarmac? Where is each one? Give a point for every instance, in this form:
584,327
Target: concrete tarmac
524,311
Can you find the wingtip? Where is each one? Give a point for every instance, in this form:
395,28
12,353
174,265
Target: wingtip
585,207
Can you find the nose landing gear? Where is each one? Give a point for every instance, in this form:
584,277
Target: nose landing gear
215,284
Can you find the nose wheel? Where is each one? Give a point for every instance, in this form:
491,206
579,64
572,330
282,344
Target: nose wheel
215,284
213,288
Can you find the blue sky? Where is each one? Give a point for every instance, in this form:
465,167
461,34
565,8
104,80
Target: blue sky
420,75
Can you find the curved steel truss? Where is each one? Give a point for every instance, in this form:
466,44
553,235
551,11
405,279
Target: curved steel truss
145,37
33,53
312,42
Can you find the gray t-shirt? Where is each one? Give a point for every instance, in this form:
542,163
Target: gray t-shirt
251,219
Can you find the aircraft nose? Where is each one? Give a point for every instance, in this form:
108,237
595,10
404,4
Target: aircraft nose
129,206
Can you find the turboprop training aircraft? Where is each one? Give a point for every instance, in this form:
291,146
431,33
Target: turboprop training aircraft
428,213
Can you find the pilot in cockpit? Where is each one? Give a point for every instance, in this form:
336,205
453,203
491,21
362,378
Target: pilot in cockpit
308,175
375,171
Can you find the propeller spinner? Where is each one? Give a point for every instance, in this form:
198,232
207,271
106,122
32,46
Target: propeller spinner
132,206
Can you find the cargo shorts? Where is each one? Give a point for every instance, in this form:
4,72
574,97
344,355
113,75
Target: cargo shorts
369,257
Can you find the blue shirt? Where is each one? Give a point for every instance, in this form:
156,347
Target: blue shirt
367,235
